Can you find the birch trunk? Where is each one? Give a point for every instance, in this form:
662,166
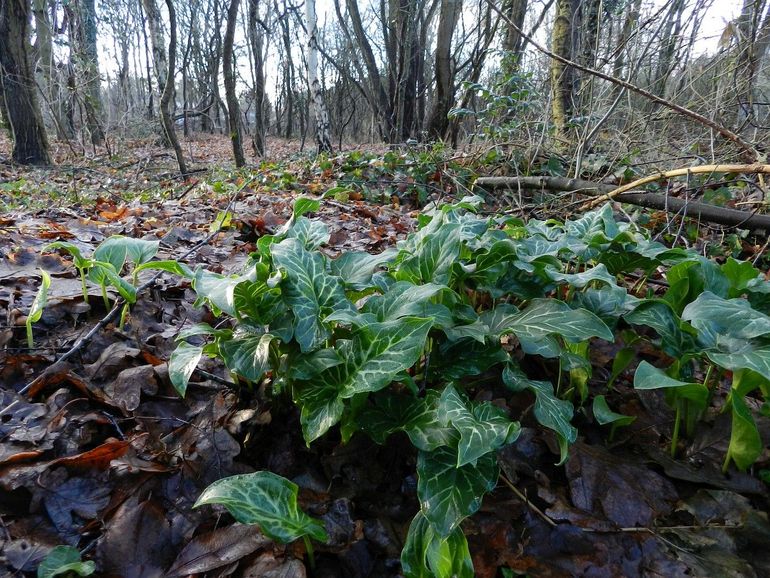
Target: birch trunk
317,104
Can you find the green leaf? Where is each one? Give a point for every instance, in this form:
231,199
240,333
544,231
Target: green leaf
605,416
38,305
449,494
248,356
745,442
749,357
322,407
356,268
170,266
648,376
381,351
312,234
416,416
432,259
309,291
730,317
305,205
63,560
77,257
550,316
549,410
580,280
107,275
117,250
217,289
377,354
428,555
265,499
740,274
183,361
483,427
676,337
402,299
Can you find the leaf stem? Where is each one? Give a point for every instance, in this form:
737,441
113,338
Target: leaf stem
677,423
310,552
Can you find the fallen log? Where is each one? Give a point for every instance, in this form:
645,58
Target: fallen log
692,209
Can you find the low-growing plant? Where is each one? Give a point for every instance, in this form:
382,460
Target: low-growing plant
408,340
402,341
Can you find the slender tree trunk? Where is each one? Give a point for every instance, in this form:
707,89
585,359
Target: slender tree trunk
83,27
228,65
158,48
438,124
18,94
323,131
561,86
256,39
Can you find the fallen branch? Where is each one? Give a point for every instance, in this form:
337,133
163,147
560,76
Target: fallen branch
704,169
692,209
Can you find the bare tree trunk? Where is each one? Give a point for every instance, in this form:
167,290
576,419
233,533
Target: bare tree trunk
233,107
256,40
82,16
561,85
18,95
323,132
166,67
438,124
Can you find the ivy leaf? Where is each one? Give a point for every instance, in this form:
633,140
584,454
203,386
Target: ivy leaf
309,291
484,428
428,555
265,499
248,356
449,494
183,361
63,560
550,316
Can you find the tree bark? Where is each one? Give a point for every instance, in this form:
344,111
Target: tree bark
83,30
561,85
323,131
228,65
256,40
438,124
18,94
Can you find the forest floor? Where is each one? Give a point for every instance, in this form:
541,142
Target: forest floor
102,454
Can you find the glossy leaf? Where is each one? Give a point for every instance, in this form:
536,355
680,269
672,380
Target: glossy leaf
248,355
483,428
309,291
265,499
181,365
449,494
749,357
731,317
548,316
428,555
